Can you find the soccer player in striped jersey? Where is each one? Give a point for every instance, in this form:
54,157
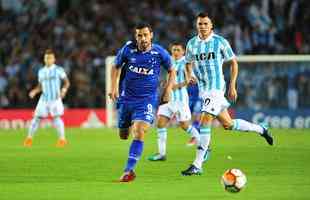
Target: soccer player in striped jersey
205,55
50,78
178,106
143,61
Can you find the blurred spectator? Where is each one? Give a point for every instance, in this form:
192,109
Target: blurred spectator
83,33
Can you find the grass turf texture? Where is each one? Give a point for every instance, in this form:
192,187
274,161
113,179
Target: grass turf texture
90,165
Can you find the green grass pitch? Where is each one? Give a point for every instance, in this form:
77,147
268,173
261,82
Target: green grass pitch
89,167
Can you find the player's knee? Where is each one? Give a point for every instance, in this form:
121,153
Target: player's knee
161,125
139,133
227,126
207,119
184,125
124,133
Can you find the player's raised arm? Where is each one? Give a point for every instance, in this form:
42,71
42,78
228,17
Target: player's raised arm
115,74
232,92
35,91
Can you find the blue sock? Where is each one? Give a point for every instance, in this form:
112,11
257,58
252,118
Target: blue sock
196,124
135,152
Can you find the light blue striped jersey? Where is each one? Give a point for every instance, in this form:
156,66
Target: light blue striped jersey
181,93
208,57
50,80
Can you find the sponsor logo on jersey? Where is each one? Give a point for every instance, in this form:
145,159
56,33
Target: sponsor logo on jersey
141,70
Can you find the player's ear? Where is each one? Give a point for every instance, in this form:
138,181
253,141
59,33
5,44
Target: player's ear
151,34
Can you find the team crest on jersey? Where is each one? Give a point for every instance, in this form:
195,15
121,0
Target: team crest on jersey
141,70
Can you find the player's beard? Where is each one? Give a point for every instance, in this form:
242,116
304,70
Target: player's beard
144,45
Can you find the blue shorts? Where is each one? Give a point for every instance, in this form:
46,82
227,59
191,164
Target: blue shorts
128,112
195,106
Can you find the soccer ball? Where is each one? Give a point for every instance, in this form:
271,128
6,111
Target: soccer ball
233,180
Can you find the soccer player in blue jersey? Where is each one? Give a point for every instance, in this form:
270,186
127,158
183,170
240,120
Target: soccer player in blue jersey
50,78
205,55
177,107
142,60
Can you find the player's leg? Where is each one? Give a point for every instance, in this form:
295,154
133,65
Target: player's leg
243,125
192,131
57,110
40,112
165,112
124,121
35,122
135,150
184,118
196,111
60,128
161,138
205,135
124,133
142,117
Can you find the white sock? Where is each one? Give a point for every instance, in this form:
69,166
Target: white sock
162,140
60,127
193,132
205,135
33,126
242,125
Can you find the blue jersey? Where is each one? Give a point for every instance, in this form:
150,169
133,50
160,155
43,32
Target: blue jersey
207,57
142,70
50,80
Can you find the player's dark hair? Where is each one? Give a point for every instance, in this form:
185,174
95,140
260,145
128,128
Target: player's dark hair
49,52
202,15
143,25
176,44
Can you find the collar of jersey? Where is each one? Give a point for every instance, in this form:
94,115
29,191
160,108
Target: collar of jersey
152,48
51,67
207,39
180,59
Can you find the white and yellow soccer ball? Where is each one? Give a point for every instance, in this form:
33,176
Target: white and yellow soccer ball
233,180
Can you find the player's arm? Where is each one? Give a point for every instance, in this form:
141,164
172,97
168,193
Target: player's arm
65,87
169,86
232,92
182,84
115,75
35,91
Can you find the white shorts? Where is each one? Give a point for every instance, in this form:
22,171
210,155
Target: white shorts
214,102
178,109
54,108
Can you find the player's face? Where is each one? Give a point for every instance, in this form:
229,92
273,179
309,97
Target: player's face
177,51
204,26
144,38
49,59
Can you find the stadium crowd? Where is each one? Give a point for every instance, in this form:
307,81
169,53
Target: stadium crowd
84,33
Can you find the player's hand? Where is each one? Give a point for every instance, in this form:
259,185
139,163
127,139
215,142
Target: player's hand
165,98
32,94
232,94
113,95
193,80
63,93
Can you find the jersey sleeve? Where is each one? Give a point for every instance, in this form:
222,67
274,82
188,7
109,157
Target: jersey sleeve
40,76
227,51
61,72
166,60
189,56
121,56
